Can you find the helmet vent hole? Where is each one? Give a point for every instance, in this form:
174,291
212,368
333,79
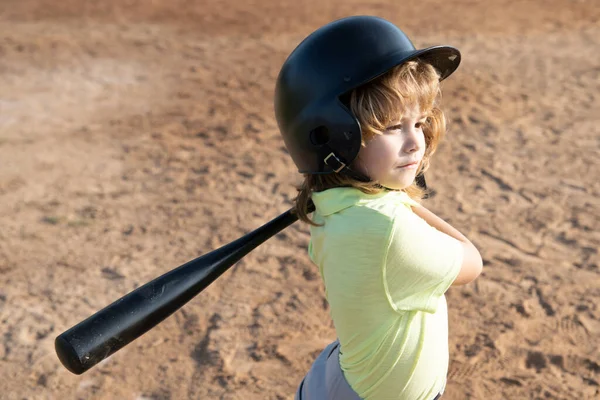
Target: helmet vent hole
319,135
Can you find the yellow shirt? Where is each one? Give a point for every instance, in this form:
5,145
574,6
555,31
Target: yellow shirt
385,272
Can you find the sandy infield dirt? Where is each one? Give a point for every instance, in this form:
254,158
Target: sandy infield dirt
137,135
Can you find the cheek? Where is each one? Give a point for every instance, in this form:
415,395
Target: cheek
382,153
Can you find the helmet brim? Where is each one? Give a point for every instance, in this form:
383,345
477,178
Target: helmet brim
445,59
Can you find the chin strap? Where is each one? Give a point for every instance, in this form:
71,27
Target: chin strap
341,168
421,181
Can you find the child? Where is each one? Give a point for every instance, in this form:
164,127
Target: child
357,106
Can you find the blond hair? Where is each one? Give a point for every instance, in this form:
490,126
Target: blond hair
376,105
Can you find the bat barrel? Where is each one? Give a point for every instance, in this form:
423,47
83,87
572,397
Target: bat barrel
110,329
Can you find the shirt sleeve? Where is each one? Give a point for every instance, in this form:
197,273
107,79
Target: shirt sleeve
421,263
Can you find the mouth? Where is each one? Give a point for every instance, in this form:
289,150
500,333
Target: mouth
413,164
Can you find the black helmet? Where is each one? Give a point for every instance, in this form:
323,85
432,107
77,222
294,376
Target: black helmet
319,130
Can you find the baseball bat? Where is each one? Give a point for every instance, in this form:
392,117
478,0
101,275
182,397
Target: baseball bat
113,327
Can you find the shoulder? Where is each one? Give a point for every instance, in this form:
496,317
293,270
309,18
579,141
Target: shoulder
364,222
374,221
362,214
366,219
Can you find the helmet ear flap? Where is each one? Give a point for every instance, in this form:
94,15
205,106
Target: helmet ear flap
336,131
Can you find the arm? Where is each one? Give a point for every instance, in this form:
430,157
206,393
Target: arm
472,263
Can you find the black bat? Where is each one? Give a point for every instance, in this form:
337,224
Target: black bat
115,326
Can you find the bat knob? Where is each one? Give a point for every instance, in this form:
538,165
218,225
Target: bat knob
68,356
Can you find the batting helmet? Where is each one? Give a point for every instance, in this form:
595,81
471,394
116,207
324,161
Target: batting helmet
320,132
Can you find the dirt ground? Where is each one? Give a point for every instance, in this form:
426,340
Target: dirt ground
137,135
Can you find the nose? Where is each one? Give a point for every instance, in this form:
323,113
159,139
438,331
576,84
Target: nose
411,142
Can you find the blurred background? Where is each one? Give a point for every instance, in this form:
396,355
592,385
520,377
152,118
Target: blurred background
137,135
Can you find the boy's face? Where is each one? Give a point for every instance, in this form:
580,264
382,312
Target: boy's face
385,156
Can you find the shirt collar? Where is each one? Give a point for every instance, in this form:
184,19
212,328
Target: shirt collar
334,200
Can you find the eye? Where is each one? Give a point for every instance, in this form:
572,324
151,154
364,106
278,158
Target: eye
394,128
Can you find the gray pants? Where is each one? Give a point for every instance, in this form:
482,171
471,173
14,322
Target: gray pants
325,379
